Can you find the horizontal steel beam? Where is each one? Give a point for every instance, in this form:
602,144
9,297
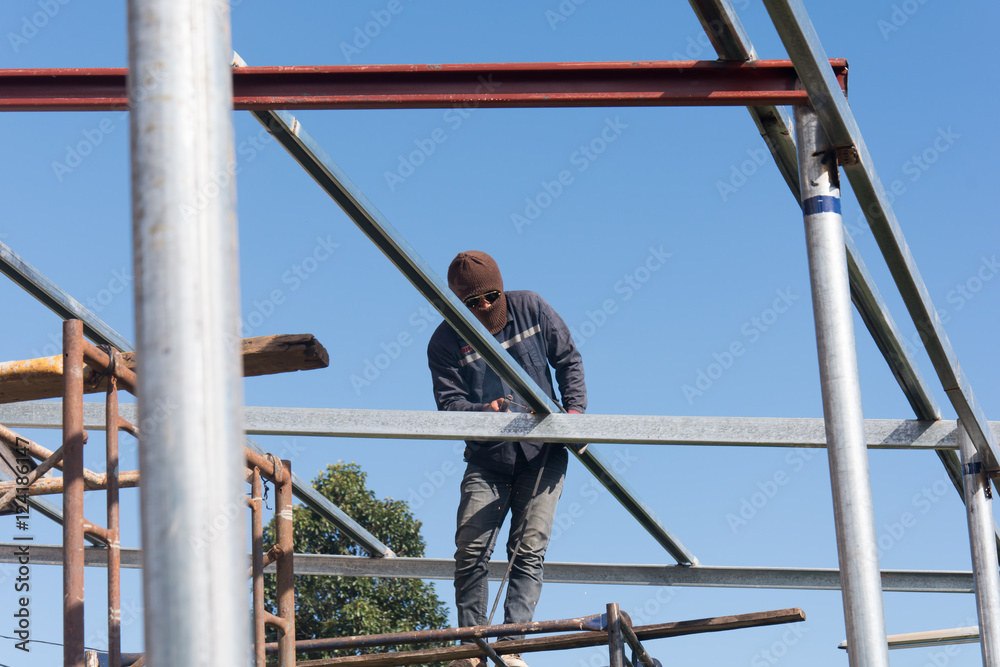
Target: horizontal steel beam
803,45
567,573
502,85
591,428
644,575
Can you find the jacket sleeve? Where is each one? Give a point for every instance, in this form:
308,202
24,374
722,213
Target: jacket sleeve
450,390
565,358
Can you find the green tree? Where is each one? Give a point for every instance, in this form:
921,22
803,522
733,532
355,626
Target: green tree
342,606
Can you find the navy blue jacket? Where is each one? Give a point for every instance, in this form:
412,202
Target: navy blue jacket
536,337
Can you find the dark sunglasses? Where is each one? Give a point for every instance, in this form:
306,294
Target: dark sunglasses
476,301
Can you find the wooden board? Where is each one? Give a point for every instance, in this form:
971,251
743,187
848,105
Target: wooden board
35,379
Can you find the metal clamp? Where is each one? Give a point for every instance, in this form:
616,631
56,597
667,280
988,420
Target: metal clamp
847,155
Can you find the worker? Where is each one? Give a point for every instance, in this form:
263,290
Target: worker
523,478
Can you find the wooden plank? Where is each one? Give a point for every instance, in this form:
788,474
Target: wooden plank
35,379
569,641
267,355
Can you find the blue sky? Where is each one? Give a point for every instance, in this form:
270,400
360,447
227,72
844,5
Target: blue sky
687,190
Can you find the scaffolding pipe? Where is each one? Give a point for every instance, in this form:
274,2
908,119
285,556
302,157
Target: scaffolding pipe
114,532
187,324
257,567
73,526
593,623
979,509
285,576
616,643
640,656
838,365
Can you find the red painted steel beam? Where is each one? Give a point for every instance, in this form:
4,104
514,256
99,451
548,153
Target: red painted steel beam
628,84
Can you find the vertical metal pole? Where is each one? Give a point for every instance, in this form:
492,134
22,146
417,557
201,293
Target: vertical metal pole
285,574
257,551
112,420
984,556
838,365
73,439
616,643
187,325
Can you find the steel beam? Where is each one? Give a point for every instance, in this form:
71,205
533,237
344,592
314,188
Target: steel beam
703,576
616,429
803,45
501,85
296,140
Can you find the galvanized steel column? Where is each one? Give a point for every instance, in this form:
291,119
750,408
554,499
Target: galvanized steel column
187,326
984,556
838,365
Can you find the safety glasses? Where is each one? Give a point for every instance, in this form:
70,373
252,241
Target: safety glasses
476,301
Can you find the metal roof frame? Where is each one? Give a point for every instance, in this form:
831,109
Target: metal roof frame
731,42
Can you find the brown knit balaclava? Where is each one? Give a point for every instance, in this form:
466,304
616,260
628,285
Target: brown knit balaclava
472,273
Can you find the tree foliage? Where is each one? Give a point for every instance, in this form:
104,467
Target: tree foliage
342,606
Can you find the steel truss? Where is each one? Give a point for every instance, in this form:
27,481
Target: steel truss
826,128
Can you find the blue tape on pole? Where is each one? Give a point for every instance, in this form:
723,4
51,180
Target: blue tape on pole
973,468
821,204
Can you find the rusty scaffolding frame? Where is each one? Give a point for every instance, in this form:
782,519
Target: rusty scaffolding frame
833,134
31,480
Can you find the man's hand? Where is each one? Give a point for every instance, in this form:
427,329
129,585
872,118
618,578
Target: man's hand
499,405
